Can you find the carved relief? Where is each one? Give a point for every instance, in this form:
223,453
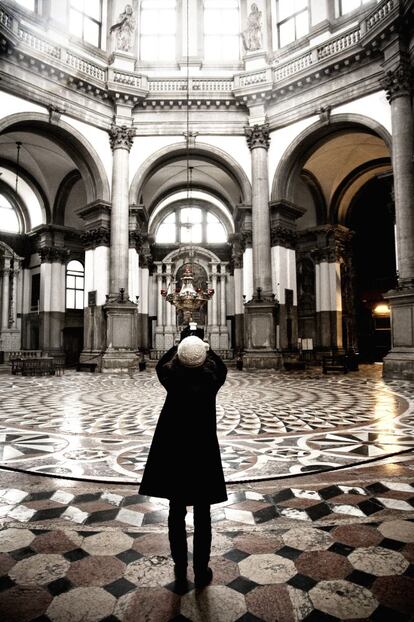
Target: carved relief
282,236
399,81
252,35
96,237
257,136
121,137
50,254
125,29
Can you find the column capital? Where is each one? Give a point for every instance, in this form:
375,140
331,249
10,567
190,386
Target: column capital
96,237
283,236
50,254
257,136
398,82
121,137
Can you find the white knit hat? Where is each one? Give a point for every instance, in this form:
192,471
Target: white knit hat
192,351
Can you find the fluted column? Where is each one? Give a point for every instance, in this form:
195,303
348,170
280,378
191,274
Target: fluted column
214,300
159,296
398,85
258,141
13,310
5,294
222,296
121,139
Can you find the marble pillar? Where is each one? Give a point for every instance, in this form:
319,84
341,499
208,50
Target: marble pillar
399,362
260,311
52,298
121,313
5,294
214,330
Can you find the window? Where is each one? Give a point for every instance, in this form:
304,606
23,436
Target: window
346,6
221,30
8,217
85,20
292,20
191,225
158,30
74,285
30,5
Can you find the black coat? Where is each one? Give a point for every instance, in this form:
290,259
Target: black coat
184,460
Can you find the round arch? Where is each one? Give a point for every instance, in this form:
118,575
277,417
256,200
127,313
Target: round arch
202,254
72,142
178,151
35,187
307,141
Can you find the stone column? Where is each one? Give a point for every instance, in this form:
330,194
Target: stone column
258,141
121,313
398,83
260,311
159,330
121,139
5,294
52,297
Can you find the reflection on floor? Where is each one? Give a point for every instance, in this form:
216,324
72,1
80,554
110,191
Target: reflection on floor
333,545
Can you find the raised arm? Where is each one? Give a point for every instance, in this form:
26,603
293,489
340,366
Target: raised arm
220,367
163,371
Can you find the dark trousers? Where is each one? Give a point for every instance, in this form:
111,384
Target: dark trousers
178,536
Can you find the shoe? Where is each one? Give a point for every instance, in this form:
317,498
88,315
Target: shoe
180,572
203,578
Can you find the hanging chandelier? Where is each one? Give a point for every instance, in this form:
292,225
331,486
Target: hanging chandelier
188,298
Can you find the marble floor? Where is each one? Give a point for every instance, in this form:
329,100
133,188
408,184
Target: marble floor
319,524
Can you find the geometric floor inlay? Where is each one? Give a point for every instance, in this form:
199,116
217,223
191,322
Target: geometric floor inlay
270,424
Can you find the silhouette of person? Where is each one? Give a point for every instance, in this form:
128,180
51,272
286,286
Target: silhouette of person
184,463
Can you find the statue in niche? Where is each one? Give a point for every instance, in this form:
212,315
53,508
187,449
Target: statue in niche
252,36
125,29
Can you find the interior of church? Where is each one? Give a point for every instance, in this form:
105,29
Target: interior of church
246,168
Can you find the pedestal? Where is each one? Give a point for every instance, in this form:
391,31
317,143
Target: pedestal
121,332
255,60
399,362
260,336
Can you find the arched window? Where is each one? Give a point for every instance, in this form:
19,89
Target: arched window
158,28
8,217
30,5
74,285
191,225
221,30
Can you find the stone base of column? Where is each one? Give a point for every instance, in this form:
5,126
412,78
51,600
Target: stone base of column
121,337
260,336
10,340
213,336
399,362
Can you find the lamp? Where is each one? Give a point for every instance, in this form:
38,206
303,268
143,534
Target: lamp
18,145
188,299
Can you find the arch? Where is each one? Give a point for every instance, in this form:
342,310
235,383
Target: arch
342,199
199,252
317,196
222,196
7,251
62,195
19,206
34,186
178,151
72,142
307,141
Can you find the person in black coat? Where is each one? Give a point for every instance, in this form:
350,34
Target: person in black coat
184,463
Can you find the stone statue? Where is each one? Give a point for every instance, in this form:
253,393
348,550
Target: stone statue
125,29
252,36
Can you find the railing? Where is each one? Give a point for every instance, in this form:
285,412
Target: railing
127,79
6,19
339,44
253,78
179,85
379,14
85,66
39,44
292,67
24,354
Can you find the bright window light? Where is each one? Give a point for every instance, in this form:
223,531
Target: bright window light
158,30
8,217
74,285
221,30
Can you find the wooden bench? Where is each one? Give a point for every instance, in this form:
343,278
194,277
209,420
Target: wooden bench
334,363
85,365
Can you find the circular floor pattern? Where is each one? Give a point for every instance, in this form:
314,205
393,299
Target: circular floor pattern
96,426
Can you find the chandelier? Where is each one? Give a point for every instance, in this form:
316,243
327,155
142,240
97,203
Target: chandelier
188,299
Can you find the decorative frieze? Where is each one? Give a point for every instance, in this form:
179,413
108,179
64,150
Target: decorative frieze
96,237
51,254
258,136
121,137
399,81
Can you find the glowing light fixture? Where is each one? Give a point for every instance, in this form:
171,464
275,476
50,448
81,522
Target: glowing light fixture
381,309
